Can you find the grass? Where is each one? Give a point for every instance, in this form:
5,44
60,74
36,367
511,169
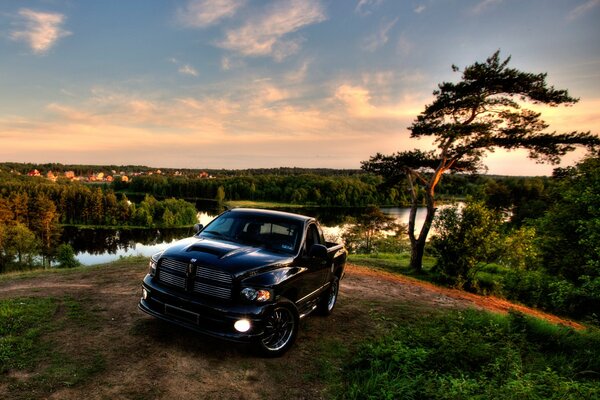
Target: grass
31,363
398,263
476,355
262,204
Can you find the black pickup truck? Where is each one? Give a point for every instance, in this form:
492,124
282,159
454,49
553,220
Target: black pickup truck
248,276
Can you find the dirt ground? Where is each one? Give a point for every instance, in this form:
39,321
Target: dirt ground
149,359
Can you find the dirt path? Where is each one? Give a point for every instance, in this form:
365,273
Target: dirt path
147,359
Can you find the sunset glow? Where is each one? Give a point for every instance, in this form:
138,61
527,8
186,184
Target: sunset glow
248,84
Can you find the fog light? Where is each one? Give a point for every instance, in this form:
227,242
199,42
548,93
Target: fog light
242,325
144,294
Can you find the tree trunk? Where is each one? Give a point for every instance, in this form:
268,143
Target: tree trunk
418,244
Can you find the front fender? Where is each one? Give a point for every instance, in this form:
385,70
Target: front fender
273,278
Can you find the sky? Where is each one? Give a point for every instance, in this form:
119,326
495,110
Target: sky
240,84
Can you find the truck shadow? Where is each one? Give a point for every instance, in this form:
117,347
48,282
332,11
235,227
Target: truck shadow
170,337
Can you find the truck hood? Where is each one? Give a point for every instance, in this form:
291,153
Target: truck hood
235,258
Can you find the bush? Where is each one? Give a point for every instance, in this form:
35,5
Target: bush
473,354
65,256
463,240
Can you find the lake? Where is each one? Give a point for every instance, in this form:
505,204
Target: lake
98,246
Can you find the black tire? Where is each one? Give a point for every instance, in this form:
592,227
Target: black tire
281,329
329,298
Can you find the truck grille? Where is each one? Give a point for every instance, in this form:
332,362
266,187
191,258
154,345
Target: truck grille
175,265
206,281
171,279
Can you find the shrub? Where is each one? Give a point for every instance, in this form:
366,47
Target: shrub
472,354
65,256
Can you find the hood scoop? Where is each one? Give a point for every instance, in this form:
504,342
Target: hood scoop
207,249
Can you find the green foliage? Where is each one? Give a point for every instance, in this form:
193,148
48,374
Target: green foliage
65,256
464,239
520,249
469,355
371,228
570,230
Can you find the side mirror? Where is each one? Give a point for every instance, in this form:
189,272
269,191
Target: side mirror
198,228
318,251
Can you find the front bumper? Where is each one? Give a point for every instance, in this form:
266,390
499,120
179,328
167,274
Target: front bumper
200,315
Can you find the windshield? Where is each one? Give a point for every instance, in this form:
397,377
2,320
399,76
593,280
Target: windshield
282,235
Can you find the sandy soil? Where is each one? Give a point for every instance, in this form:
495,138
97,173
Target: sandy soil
148,359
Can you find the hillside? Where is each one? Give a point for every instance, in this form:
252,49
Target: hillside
93,342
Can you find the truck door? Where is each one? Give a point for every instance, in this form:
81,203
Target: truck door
316,274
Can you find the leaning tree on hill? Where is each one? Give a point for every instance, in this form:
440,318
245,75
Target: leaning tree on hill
484,111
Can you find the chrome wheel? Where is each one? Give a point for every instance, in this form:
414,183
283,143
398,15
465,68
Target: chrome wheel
333,293
329,298
280,330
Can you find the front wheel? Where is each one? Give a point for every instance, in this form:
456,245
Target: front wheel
329,298
281,328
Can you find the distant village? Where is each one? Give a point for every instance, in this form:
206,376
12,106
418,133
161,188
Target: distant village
101,177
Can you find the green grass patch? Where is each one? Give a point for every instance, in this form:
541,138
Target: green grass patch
31,364
476,355
22,321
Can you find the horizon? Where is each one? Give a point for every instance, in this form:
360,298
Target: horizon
236,85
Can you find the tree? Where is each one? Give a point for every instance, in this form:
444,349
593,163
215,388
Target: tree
479,114
65,256
21,243
220,197
464,239
367,228
44,223
570,230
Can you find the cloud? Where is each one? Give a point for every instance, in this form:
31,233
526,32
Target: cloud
484,5
419,9
40,30
298,75
184,69
379,38
366,7
582,9
267,32
359,103
203,13
187,69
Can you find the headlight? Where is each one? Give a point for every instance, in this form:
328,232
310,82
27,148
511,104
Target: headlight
260,295
154,263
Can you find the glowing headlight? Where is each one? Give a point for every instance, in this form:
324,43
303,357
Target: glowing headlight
242,325
260,295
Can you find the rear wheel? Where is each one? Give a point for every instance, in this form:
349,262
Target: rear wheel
329,298
280,331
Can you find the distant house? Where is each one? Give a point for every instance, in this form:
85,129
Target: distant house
100,176
50,176
70,174
35,172
203,175
124,178
109,178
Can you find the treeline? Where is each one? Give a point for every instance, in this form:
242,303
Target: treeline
79,204
85,169
33,210
305,189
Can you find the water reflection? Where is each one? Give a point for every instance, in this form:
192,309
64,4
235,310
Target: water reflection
96,246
